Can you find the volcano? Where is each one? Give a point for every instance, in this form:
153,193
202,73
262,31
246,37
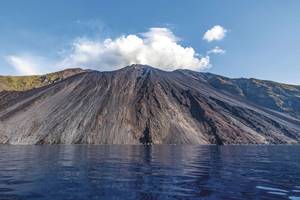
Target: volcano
140,104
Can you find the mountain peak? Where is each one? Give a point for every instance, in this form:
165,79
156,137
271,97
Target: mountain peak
141,104
138,67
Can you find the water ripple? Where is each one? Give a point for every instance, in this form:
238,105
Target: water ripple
149,172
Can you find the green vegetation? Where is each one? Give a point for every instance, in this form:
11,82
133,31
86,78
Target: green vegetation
22,83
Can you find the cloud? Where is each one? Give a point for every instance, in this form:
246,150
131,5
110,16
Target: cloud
216,50
216,33
158,47
26,64
23,65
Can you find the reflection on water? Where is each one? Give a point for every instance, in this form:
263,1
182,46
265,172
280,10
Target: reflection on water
149,172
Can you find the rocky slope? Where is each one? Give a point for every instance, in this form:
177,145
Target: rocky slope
140,105
269,94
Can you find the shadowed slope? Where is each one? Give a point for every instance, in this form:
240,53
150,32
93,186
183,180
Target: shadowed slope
269,94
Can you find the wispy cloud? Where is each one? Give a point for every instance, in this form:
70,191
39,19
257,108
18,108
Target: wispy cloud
216,50
215,33
23,65
28,64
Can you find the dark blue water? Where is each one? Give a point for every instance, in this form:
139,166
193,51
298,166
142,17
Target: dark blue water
149,172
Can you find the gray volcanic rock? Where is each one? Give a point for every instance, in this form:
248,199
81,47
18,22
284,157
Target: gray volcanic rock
140,105
269,94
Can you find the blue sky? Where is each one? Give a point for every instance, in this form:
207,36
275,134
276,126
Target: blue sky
262,38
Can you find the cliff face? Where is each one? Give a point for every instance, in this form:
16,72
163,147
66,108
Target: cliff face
141,104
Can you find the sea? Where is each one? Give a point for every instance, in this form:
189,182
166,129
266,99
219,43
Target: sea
87,172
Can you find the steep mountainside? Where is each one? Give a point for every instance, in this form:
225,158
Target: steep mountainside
140,104
269,94
21,83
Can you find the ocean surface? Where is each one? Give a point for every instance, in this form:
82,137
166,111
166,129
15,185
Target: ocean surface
149,172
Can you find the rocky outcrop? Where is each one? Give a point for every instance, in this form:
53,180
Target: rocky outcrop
140,105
